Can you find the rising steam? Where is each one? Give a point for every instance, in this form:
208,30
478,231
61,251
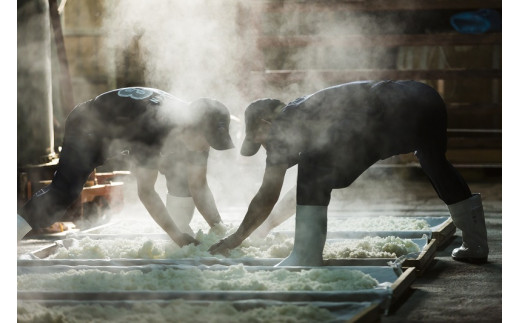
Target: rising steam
200,48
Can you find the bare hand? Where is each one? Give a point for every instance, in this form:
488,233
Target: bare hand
186,239
224,245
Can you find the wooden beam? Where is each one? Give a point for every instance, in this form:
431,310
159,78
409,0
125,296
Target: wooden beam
373,5
363,41
474,156
474,132
474,143
475,118
281,76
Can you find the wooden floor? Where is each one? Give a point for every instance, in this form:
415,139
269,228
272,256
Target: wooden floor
451,291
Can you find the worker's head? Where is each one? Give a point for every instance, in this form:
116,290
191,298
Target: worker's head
213,120
259,116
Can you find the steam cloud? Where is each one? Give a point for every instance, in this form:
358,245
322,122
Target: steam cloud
200,48
191,49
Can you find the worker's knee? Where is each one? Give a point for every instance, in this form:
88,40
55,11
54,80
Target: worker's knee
313,186
312,195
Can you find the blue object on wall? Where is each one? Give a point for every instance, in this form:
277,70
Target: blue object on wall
477,22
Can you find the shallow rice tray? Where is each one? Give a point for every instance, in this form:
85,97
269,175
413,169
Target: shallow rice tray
419,260
441,228
444,231
337,311
40,257
392,283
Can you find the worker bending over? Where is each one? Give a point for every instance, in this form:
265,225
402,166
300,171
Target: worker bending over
153,128
333,136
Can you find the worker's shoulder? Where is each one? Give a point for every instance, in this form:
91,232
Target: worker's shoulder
136,93
138,96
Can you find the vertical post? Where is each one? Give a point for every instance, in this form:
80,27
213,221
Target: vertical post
67,98
34,84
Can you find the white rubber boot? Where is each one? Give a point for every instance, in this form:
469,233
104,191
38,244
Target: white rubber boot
468,216
181,211
23,227
309,237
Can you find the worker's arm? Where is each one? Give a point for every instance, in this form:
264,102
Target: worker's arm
146,179
283,210
202,195
259,209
